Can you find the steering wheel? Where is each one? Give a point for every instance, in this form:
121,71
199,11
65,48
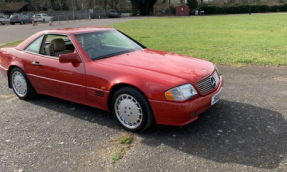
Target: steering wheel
90,50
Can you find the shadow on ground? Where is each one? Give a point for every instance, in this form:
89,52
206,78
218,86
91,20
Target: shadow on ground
229,132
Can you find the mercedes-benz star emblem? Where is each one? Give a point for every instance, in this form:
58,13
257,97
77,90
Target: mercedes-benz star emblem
212,81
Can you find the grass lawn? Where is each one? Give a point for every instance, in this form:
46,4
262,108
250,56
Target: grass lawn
11,44
235,40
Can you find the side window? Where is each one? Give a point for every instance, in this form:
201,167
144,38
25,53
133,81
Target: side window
57,44
35,46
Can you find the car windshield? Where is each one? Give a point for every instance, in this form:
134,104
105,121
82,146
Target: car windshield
13,16
104,44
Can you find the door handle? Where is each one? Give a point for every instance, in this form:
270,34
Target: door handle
36,64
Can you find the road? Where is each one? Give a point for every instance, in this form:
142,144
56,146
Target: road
245,131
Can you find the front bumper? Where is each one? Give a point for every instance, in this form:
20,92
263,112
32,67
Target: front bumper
4,71
179,114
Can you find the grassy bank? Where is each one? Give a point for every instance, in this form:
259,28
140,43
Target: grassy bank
235,40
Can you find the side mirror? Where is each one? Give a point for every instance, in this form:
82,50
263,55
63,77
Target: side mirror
70,58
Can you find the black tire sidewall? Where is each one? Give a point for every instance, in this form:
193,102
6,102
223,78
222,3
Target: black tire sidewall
29,86
143,101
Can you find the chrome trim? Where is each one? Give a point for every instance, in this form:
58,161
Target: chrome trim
205,85
3,67
56,80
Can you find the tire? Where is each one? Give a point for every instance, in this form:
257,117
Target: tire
43,20
21,22
132,109
1,23
12,23
21,84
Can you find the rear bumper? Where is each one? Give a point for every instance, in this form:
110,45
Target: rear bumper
179,114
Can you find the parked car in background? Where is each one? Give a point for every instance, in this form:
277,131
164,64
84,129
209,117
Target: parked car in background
20,18
114,13
42,17
3,19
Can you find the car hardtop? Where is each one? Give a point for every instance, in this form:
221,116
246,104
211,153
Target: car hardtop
63,31
77,30
41,14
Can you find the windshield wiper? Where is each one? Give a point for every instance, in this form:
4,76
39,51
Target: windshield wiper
113,54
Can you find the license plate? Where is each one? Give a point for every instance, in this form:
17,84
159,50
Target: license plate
216,98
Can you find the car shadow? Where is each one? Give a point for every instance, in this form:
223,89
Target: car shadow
229,132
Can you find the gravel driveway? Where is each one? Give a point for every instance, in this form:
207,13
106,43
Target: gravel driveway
245,131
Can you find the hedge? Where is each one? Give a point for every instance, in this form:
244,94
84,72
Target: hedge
242,8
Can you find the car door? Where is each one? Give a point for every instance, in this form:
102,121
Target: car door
63,80
27,19
6,20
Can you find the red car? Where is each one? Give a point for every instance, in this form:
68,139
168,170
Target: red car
104,68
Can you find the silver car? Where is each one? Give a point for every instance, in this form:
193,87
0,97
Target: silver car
3,19
42,17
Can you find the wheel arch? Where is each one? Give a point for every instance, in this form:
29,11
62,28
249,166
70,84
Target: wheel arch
9,72
116,87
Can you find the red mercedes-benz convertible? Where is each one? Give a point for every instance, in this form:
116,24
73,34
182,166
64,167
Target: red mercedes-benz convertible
104,68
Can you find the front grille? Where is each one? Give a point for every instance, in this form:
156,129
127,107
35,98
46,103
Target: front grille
205,84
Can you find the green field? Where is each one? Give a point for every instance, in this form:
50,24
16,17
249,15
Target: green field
11,44
234,40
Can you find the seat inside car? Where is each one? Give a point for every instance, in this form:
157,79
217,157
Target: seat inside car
56,48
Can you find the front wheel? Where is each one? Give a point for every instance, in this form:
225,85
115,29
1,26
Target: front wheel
132,109
21,84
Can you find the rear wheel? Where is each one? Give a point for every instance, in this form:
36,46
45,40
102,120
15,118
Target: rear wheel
132,110
21,22
21,84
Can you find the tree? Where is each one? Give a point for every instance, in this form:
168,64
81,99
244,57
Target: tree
40,4
192,4
145,7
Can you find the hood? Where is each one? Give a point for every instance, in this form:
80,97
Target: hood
162,65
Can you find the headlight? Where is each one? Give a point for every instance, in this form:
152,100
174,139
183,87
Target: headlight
181,93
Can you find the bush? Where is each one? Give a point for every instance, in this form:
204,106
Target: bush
283,7
274,8
172,10
242,8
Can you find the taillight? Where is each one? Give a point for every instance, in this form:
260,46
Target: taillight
17,18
